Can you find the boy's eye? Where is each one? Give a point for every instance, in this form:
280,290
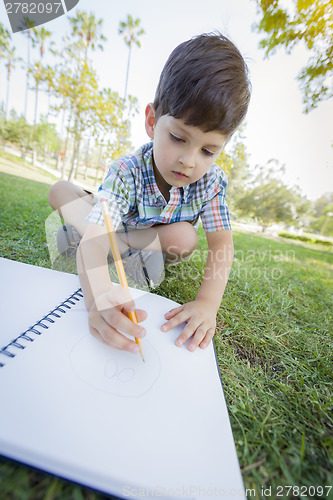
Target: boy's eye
175,138
207,153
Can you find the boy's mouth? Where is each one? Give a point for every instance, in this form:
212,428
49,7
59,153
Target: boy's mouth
179,175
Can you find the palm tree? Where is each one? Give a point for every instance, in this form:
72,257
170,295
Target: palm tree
10,65
38,73
27,33
38,39
130,30
49,79
4,40
86,27
4,44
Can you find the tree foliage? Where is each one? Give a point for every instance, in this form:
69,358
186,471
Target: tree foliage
87,29
4,40
47,137
322,220
93,128
11,60
132,33
15,129
235,164
269,200
310,22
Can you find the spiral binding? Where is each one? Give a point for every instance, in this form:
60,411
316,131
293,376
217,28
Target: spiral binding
38,327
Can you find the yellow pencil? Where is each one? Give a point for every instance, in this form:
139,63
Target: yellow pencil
119,264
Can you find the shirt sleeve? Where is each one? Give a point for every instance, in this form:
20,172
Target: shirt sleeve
116,190
215,214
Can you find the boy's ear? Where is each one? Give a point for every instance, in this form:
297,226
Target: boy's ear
150,120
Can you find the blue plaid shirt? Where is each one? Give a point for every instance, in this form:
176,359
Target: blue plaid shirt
135,200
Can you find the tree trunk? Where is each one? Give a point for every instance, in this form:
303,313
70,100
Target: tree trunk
57,159
34,143
1,101
76,138
98,164
61,132
63,167
76,166
127,71
86,158
7,98
27,79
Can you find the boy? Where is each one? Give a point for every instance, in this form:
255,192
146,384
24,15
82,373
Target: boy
162,189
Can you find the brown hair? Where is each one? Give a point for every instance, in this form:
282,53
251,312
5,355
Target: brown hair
205,82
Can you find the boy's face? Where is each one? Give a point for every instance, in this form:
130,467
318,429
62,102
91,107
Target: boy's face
182,153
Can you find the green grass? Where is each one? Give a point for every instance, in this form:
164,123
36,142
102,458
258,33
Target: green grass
273,342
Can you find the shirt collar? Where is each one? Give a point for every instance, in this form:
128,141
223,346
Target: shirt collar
153,191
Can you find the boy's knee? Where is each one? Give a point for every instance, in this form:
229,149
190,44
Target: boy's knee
63,192
184,239
57,193
189,237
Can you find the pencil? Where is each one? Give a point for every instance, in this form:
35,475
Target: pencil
119,263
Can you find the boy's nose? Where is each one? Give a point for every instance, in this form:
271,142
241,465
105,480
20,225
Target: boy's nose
187,159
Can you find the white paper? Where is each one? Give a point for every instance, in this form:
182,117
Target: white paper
103,418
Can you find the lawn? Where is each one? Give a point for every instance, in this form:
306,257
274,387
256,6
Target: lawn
273,342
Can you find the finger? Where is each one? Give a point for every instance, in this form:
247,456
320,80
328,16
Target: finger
187,332
117,319
121,299
141,315
204,343
129,306
176,320
108,335
170,314
97,336
199,335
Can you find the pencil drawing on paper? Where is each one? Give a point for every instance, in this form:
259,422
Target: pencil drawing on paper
117,372
124,375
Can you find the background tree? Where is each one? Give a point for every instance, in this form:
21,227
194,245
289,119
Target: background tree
77,83
239,169
270,201
28,34
48,80
110,131
38,74
47,137
131,31
235,164
80,90
15,130
4,46
321,221
86,28
92,118
11,60
311,23
39,39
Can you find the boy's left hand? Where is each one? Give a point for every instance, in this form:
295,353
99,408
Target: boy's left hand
200,317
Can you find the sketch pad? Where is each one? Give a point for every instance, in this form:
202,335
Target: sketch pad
81,410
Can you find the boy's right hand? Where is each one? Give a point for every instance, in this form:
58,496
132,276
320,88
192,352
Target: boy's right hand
108,317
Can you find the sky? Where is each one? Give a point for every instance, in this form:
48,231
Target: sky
276,126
